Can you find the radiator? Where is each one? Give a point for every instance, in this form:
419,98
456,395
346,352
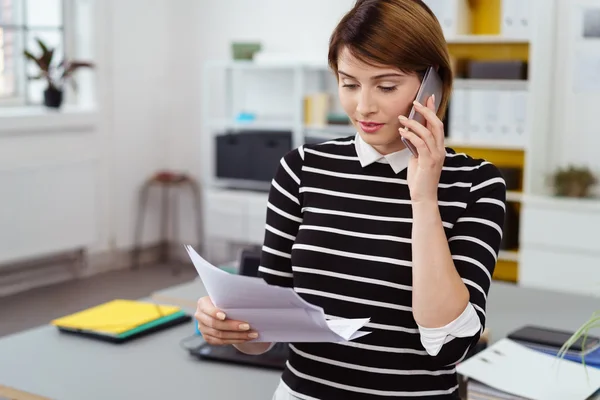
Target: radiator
47,209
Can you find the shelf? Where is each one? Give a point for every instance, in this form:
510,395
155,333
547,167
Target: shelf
565,203
515,197
505,255
506,271
329,130
265,125
491,84
474,145
485,39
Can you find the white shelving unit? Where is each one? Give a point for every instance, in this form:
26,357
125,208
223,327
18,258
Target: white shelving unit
484,39
547,247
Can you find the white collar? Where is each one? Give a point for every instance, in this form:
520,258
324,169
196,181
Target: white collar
367,155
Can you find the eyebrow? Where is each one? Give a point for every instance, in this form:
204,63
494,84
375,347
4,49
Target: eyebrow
374,78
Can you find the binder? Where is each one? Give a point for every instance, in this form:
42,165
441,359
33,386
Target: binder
121,320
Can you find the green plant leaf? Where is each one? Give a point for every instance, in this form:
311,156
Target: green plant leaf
42,45
34,59
582,332
73,66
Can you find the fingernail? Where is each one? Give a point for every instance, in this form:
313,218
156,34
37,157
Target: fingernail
433,97
244,327
402,118
253,335
416,103
221,316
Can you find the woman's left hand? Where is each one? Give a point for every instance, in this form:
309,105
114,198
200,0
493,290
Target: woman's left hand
424,171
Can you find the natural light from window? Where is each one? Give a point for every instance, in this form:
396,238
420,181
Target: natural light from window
21,22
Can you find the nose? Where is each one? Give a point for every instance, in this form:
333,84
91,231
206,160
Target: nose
366,104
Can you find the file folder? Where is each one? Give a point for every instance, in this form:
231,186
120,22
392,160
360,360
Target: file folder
120,320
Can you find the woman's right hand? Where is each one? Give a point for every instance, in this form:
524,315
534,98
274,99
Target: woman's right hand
217,329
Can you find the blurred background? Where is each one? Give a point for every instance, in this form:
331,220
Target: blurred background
129,128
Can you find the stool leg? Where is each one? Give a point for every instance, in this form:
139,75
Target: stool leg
139,226
176,268
197,198
164,226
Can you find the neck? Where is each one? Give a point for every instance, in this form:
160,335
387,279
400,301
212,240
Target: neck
389,148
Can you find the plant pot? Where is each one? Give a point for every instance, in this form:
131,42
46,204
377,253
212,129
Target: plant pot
53,97
573,189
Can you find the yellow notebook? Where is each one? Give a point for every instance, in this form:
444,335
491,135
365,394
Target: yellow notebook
115,317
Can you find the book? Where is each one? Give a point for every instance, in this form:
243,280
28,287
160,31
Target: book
116,317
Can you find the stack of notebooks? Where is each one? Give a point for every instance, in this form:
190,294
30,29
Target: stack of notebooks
120,320
550,341
525,366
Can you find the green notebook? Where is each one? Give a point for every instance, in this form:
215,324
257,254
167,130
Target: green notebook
151,324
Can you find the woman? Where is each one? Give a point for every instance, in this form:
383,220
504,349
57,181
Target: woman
362,228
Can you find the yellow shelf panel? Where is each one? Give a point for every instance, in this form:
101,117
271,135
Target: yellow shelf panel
490,51
499,157
507,271
485,16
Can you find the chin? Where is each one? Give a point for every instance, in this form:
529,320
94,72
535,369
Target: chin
380,138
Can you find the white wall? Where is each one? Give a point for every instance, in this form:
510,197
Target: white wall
576,96
149,56
205,30
78,184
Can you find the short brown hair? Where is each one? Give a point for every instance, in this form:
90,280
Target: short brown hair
401,33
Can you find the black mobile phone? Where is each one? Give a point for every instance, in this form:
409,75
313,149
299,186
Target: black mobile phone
536,335
431,85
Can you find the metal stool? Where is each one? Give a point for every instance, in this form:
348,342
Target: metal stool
166,181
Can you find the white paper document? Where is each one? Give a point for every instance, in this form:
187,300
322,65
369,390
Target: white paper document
278,314
513,368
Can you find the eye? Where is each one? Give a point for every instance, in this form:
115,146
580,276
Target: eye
387,89
350,86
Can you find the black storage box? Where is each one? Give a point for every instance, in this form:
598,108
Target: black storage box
510,236
497,70
233,156
251,155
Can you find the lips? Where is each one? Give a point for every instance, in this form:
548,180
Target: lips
370,127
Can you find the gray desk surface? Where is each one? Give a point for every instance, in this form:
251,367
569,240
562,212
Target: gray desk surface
46,363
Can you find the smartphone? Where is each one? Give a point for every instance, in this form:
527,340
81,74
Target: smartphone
431,85
536,335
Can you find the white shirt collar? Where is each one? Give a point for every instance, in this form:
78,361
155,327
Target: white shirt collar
367,155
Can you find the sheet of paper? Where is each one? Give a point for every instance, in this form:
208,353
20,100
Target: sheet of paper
516,369
346,328
278,314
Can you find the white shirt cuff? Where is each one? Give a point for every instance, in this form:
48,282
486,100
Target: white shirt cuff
467,324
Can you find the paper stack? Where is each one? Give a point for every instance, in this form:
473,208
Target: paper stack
509,370
278,314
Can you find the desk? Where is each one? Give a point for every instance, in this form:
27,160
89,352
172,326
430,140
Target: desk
62,367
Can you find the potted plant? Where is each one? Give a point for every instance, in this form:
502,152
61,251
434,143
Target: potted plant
573,181
55,75
581,333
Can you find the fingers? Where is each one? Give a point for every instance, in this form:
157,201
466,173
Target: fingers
217,329
434,124
206,306
214,336
227,325
419,130
416,140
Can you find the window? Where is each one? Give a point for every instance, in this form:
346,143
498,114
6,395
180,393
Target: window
21,22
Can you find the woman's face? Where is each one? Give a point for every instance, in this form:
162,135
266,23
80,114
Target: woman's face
374,98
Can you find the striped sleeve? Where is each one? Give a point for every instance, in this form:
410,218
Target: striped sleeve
284,217
474,242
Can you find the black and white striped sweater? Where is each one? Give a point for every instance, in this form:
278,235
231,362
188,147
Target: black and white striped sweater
340,235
